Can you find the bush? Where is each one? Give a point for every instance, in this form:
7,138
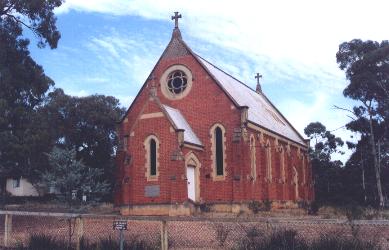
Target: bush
267,205
109,243
222,232
205,208
278,240
256,206
353,212
313,208
287,239
336,241
44,242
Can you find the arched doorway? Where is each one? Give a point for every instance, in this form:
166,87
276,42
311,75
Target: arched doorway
192,165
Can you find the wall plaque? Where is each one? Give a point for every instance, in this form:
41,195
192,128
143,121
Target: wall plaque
152,191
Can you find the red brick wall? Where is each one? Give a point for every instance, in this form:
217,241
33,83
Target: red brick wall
205,105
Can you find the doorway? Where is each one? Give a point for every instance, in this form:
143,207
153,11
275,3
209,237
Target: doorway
193,166
191,180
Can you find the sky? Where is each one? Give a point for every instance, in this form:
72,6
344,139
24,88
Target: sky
109,47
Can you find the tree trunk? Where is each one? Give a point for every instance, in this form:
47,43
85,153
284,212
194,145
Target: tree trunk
3,191
363,180
376,166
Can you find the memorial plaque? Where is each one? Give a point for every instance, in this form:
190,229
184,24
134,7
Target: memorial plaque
120,225
152,191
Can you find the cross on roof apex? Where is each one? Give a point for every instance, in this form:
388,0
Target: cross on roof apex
258,76
258,88
175,18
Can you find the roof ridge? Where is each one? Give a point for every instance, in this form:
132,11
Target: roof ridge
259,94
244,84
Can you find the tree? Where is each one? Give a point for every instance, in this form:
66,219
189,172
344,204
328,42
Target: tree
86,124
67,174
327,173
325,143
366,65
37,16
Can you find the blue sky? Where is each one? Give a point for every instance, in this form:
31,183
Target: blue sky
109,47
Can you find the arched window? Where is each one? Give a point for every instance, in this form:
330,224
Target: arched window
268,161
218,151
151,145
282,163
296,182
253,158
153,158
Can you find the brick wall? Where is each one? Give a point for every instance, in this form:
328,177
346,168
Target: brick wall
205,105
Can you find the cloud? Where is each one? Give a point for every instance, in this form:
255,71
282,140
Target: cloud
291,43
125,101
319,108
78,93
96,79
129,58
298,38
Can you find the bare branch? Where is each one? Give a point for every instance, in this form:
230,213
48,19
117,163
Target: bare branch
384,89
7,9
344,109
341,126
348,110
23,23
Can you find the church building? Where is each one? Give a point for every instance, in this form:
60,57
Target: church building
196,138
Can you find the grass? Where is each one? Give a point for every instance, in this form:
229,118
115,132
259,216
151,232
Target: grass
288,239
45,242
353,213
340,242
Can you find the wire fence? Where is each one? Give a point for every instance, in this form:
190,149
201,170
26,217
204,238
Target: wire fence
16,229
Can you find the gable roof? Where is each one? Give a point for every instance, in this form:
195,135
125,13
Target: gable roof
180,123
261,111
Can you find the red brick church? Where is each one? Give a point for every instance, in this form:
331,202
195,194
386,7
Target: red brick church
195,136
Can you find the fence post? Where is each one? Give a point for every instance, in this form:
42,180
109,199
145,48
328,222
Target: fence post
164,236
7,230
79,231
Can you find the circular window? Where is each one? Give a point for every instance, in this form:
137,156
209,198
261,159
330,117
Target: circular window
176,82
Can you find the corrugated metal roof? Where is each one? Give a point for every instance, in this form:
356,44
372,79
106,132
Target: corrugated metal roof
181,123
260,111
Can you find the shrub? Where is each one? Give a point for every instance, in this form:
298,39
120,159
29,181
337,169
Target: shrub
256,206
287,239
222,232
337,241
109,243
277,239
267,205
253,238
354,212
44,242
205,208
313,208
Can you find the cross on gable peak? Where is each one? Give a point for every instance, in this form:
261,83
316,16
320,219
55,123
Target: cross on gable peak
175,18
258,76
258,89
